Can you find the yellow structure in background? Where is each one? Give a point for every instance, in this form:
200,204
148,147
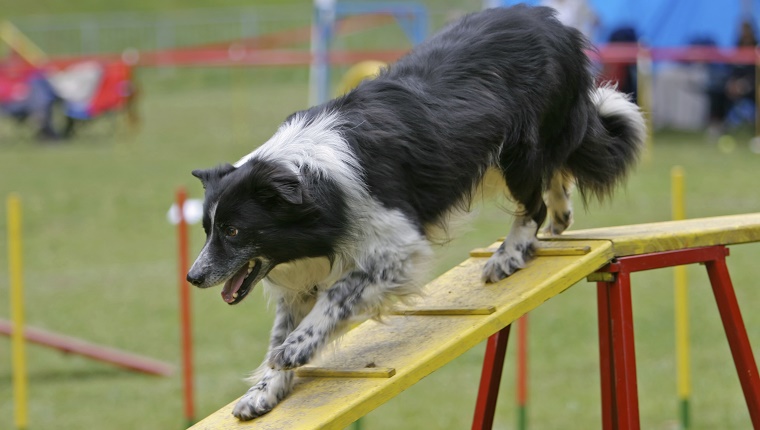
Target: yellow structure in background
359,72
21,44
415,345
15,271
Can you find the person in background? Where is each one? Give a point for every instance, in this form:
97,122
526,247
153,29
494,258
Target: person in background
740,88
624,75
731,89
575,13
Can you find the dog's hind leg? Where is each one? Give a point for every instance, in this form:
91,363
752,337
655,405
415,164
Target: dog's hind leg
558,203
271,385
525,184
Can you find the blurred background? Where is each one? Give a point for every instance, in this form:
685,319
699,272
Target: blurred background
106,107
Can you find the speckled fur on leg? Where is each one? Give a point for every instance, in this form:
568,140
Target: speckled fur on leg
516,250
393,269
271,386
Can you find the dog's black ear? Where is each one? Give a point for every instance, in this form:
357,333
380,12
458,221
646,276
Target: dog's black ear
271,183
202,175
212,174
289,188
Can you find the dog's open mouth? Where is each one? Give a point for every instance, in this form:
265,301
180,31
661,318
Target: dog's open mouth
241,283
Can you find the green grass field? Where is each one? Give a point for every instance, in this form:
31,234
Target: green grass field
101,264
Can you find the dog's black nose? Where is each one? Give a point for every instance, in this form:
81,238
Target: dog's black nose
194,279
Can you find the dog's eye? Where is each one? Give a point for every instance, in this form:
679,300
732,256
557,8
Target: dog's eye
230,231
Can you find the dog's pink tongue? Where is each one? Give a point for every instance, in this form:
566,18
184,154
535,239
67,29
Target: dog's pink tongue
233,284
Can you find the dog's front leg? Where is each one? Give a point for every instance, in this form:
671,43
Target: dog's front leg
347,298
396,270
271,386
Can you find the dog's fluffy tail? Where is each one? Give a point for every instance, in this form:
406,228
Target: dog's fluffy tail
613,142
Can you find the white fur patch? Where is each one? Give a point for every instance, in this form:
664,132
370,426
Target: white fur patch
204,262
316,144
212,211
611,102
302,275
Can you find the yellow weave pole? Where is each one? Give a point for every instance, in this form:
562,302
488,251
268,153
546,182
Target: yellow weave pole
15,265
680,283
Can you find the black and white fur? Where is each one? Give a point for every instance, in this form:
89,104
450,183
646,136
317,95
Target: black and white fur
334,212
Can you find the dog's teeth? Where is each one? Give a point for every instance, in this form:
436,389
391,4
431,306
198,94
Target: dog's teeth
234,295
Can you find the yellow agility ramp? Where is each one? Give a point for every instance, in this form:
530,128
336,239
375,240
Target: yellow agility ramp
376,361
673,235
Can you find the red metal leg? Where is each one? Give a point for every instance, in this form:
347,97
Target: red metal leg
624,361
736,335
490,378
606,365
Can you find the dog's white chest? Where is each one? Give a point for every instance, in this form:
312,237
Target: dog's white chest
303,274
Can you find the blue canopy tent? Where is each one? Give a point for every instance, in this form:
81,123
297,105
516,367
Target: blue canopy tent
670,23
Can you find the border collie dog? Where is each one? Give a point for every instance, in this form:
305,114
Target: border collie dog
335,212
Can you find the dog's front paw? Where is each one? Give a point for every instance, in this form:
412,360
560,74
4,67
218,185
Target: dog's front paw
265,395
290,355
255,403
506,261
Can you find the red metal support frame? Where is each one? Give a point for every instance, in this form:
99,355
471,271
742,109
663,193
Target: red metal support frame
618,374
490,379
616,346
606,366
617,356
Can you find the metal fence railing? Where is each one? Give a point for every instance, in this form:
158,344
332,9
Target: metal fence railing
113,32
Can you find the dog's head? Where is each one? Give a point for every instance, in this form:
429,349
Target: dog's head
253,217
